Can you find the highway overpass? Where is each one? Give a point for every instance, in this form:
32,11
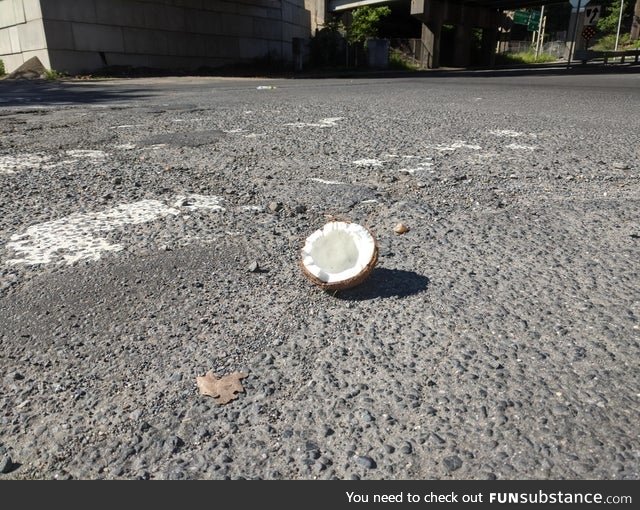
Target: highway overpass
465,15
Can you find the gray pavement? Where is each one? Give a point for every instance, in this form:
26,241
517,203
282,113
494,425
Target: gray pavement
498,338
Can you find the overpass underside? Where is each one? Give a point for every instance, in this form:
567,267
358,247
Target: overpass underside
466,18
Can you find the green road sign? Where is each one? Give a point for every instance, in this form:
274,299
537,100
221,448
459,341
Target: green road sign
534,17
521,17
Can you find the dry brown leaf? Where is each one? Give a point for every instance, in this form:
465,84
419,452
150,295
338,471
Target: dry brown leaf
223,390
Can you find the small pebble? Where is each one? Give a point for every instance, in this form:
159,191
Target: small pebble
452,463
400,229
253,267
366,462
6,464
275,206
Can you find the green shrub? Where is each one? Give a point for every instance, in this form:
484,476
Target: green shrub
2,71
52,75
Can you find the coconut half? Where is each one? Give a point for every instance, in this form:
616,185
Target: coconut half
340,255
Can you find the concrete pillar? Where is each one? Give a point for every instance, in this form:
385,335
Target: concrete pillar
489,40
579,43
462,49
431,44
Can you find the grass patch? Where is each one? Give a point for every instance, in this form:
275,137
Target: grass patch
524,57
608,43
398,60
52,75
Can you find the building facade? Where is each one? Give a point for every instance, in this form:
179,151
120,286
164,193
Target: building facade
83,35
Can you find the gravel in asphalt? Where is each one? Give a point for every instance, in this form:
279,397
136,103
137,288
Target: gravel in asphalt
150,232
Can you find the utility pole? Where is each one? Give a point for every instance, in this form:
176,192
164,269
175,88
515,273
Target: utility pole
619,23
540,32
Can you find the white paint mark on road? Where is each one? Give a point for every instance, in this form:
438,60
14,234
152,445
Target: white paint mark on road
156,146
90,154
517,146
252,208
193,202
125,126
368,162
323,181
423,166
80,236
323,123
233,131
125,146
457,145
370,201
11,164
510,133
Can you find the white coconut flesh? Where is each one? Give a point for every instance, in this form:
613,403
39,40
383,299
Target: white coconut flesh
339,251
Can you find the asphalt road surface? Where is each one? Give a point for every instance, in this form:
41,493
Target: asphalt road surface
498,338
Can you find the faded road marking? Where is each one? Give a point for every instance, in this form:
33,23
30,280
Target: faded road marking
81,236
323,123
193,202
90,154
323,181
506,132
518,146
11,164
368,162
457,145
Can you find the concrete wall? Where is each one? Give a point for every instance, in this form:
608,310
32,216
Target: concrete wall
88,34
83,35
21,33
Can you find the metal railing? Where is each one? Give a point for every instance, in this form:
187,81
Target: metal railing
555,48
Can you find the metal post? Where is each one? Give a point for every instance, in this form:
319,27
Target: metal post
575,32
540,33
619,23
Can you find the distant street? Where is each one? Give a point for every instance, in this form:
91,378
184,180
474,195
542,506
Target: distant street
150,232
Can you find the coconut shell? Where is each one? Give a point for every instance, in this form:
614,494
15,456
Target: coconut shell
351,282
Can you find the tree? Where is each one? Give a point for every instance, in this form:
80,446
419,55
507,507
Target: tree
608,25
365,23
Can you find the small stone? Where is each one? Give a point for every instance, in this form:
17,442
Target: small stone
406,448
366,462
300,209
400,229
618,165
367,417
253,267
452,463
275,206
328,431
6,464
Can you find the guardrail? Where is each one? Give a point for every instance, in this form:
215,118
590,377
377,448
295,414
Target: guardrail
606,56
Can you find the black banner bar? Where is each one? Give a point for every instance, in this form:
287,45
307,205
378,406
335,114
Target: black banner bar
423,494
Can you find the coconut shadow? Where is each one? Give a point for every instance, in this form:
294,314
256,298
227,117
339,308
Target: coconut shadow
386,283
